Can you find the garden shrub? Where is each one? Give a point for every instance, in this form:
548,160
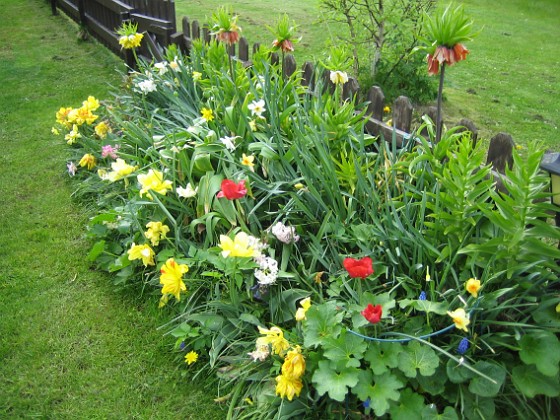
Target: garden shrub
316,270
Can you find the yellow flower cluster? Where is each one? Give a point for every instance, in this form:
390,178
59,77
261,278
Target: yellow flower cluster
73,118
143,252
240,246
156,232
131,41
153,181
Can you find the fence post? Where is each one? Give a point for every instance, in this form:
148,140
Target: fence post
289,65
500,152
53,7
308,73
350,89
467,126
402,114
82,11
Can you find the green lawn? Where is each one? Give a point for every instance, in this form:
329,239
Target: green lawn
509,82
70,347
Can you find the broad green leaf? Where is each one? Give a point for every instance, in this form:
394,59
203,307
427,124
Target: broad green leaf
347,347
430,413
531,382
96,250
380,389
458,373
328,381
427,306
323,321
409,406
434,384
482,386
477,408
541,348
382,356
418,357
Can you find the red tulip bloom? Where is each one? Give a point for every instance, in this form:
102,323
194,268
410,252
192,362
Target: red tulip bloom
358,268
372,313
231,190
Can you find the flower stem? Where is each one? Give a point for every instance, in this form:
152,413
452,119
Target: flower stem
439,116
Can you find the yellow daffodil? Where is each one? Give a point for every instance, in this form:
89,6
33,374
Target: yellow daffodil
386,109
460,318
207,114
305,304
288,387
473,286
102,129
274,337
88,161
153,181
191,357
91,103
156,232
120,169
73,136
172,278
240,246
294,363
248,161
143,252
62,117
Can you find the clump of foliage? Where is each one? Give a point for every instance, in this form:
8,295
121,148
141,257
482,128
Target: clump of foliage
315,268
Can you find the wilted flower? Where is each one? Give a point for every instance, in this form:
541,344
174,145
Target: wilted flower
87,160
186,192
285,234
294,363
372,313
274,337
260,353
460,318
288,387
358,268
143,252
72,168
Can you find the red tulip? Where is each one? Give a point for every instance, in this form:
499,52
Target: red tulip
231,190
358,268
372,313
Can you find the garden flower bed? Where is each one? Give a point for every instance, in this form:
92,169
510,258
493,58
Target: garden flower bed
311,267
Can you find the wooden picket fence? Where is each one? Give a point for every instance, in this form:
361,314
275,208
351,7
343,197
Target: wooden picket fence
156,19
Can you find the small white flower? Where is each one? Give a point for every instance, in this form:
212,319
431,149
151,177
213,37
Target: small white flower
267,273
229,142
285,234
161,67
175,65
339,77
257,108
187,192
147,86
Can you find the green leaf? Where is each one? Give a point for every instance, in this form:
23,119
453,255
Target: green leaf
430,413
457,373
346,347
478,408
531,382
380,389
482,386
323,321
434,384
383,356
541,348
96,250
418,357
409,406
328,381
427,306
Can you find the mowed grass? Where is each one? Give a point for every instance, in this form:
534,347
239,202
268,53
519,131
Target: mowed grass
70,347
509,83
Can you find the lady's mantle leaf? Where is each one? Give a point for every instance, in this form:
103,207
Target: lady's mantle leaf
531,382
323,321
380,389
327,380
418,357
347,347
